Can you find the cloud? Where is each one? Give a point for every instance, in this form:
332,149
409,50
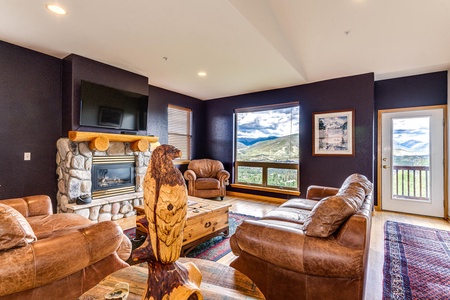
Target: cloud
279,122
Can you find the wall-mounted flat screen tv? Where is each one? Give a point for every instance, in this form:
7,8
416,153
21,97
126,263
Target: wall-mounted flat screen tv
107,107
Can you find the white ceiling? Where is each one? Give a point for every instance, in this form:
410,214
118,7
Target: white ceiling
243,45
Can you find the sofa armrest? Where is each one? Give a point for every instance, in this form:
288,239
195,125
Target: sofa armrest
317,192
190,175
351,232
31,206
279,245
223,176
51,259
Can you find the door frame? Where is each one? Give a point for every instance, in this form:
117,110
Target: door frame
379,151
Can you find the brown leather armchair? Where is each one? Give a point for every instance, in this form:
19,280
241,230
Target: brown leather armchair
54,256
206,178
313,248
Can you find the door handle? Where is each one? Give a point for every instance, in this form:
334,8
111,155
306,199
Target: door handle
385,167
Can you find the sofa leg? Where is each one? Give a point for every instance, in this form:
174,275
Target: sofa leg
221,197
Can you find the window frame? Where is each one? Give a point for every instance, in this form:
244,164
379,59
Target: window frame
185,157
264,165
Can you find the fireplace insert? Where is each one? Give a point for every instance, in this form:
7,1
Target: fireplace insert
112,177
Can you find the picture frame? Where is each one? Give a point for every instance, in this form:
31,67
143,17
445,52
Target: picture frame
333,133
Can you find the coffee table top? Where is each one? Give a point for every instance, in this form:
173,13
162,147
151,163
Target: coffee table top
218,282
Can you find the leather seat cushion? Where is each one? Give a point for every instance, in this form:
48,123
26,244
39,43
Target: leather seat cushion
300,203
15,231
288,214
207,184
45,226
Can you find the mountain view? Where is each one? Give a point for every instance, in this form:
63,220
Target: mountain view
282,149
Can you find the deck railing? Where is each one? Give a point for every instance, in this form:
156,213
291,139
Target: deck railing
411,182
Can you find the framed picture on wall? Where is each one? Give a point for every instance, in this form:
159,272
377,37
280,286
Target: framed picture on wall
333,133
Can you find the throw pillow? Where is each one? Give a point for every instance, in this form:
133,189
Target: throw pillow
14,229
327,216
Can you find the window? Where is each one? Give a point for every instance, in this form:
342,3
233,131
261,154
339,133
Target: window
180,129
267,147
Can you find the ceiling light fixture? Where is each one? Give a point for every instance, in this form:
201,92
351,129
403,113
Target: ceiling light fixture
201,74
56,9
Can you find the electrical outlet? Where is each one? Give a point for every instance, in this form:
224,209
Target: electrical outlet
27,156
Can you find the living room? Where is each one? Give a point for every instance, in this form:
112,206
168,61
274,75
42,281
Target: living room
37,109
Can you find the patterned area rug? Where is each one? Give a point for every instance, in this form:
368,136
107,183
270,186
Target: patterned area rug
416,262
219,246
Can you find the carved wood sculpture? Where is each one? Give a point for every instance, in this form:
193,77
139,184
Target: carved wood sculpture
165,204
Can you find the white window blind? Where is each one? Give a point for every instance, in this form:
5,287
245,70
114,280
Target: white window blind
180,129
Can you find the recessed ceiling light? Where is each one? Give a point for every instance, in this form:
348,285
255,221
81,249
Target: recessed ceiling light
56,9
201,74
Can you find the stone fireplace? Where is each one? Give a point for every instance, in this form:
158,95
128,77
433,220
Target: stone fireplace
113,178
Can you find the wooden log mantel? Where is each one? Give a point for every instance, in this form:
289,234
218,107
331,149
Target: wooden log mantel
99,141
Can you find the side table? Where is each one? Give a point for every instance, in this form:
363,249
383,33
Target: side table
219,282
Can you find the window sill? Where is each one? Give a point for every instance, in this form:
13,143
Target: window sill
265,189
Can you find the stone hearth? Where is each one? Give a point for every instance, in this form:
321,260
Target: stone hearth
74,165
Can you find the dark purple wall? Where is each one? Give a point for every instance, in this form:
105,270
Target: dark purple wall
77,68
355,92
30,121
419,90
412,91
159,99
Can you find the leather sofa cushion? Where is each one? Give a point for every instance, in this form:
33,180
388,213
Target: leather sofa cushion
331,212
300,203
207,184
14,229
205,167
47,225
288,214
357,179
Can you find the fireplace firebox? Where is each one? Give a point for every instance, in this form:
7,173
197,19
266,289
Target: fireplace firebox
112,175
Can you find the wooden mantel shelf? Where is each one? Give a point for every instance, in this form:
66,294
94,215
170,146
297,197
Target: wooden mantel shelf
100,141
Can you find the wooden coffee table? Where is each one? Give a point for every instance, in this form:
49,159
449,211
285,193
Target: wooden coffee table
218,282
205,220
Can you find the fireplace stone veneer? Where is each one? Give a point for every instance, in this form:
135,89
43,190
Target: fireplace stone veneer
74,165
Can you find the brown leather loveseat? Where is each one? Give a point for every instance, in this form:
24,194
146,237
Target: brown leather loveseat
54,256
314,248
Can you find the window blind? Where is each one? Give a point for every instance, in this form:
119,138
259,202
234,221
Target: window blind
180,129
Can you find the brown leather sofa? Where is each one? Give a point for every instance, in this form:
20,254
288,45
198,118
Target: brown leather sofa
206,178
314,248
54,256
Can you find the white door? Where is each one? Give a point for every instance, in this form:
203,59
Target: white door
412,161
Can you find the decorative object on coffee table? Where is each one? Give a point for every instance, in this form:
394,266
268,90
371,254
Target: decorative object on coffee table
165,204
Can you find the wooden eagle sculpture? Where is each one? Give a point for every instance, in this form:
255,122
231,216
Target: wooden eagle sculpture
165,205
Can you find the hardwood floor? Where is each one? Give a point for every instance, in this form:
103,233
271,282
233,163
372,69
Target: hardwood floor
374,280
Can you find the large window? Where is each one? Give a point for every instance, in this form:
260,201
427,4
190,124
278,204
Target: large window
180,129
266,147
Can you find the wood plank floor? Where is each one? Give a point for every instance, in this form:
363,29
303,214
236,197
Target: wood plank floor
374,281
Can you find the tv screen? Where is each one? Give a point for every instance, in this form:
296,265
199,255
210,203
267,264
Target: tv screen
103,106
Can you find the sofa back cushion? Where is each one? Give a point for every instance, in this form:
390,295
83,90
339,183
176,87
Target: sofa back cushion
14,229
206,168
331,212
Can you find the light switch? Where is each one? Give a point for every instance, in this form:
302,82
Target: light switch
27,156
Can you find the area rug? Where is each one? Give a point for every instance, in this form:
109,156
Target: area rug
219,246
416,262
